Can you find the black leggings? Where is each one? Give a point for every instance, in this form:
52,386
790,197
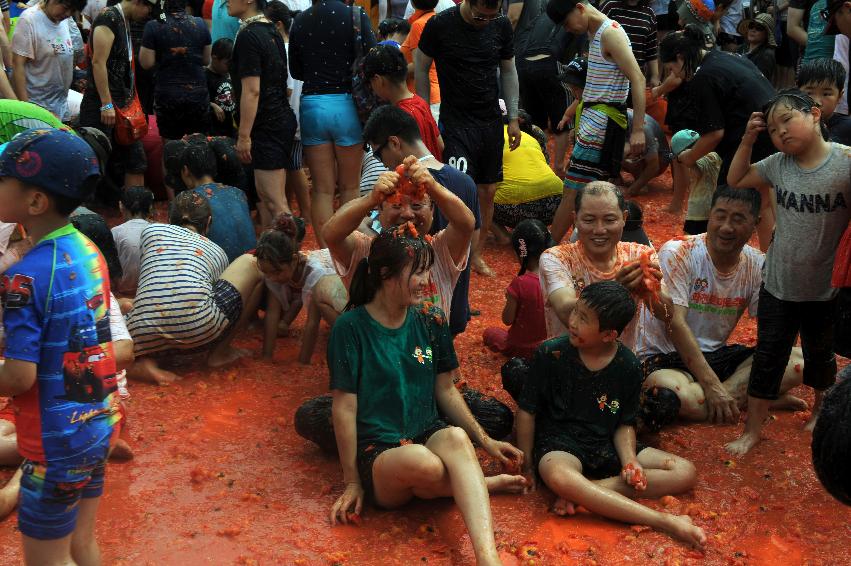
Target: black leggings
778,324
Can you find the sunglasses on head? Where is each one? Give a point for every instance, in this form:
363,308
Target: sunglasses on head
757,26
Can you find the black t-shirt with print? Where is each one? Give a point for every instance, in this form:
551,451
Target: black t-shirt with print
259,52
467,59
568,399
220,91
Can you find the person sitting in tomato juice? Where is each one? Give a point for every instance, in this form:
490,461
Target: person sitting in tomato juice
600,255
524,305
712,278
395,140
577,415
391,362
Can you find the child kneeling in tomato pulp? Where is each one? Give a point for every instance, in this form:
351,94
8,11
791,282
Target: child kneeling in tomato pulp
576,421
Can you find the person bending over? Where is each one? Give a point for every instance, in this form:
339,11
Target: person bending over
188,296
391,366
576,421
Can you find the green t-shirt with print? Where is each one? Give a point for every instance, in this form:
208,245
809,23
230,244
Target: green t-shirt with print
392,371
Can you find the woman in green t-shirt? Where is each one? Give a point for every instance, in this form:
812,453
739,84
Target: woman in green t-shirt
391,358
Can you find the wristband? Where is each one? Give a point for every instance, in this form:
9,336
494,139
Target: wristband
107,106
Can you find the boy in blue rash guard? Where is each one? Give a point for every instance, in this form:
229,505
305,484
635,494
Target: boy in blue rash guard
59,362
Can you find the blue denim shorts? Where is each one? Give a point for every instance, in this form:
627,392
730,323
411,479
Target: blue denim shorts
329,118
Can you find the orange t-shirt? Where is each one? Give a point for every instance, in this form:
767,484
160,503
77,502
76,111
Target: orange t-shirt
418,21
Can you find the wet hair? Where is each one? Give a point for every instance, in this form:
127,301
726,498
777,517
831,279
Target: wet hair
596,188
390,252
174,6
75,5
820,71
793,99
137,200
95,228
390,120
230,170
426,5
200,159
486,3
222,48
387,61
659,407
190,209
750,197
530,239
831,447
612,302
391,26
688,43
280,243
173,163
635,216
557,10
276,11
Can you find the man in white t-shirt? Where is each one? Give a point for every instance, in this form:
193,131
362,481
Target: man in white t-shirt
43,54
711,279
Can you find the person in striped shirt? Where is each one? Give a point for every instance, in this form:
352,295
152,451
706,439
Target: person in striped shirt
612,72
188,297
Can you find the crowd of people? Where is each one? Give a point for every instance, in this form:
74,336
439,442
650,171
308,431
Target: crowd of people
409,138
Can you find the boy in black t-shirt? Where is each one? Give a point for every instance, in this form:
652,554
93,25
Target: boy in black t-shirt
576,421
824,81
220,88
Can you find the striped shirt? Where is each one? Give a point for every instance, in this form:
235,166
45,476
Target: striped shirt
639,23
174,307
606,82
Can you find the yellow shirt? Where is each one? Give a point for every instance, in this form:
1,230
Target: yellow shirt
526,175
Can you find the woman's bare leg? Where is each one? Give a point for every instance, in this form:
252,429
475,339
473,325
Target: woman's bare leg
445,466
271,192
322,163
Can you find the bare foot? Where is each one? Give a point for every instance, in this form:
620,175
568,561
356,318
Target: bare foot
743,444
121,451
225,355
789,402
562,507
147,369
9,494
675,210
479,266
505,483
681,527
